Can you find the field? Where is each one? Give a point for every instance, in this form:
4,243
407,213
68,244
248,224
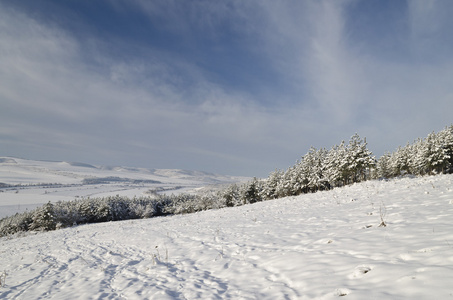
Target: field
373,240
27,184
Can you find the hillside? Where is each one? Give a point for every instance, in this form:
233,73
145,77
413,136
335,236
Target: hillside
26,184
314,246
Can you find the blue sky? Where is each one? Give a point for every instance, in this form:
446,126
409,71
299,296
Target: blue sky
231,87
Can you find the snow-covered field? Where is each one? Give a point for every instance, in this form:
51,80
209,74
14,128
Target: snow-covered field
33,183
315,246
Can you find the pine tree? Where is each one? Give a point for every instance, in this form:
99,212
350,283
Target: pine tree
251,191
443,148
284,185
343,164
360,159
383,166
313,161
418,157
231,195
270,186
399,162
43,218
447,138
332,172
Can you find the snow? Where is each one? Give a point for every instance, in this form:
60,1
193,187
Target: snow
37,181
315,246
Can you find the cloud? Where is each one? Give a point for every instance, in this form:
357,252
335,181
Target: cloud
110,111
237,87
333,74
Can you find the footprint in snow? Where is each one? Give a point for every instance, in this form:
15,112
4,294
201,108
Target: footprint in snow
342,292
360,272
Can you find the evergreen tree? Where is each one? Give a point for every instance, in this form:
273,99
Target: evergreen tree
284,185
442,150
231,195
251,191
332,172
383,166
360,159
270,186
313,165
299,177
44,218
399,162
447,144
418,157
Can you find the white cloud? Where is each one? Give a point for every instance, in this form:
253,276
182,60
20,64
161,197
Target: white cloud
55,98
167,110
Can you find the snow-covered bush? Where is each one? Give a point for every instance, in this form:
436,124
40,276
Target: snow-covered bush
43,218
230,195
250,192
93,210
80,211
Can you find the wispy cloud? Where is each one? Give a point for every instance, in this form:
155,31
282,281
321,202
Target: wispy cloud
229,87
55,98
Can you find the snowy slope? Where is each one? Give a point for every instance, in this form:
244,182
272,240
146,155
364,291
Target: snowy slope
32,183
315,246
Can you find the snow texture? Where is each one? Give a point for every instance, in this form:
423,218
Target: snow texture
314,246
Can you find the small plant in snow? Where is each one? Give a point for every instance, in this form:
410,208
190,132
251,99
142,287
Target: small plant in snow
156,256
3,279
382,213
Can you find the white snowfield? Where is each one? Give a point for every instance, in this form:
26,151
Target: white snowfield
34,183
316,246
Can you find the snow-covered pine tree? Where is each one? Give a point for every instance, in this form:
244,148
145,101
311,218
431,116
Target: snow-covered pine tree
359,158
319,169
343,164
230,195
43,218
250,192
299,177
313,166
447,144
442,150
399,162
294,178
332,172
418,157
433,154
284,185
270,185
383,166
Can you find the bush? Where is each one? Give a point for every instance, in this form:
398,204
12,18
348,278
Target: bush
63,214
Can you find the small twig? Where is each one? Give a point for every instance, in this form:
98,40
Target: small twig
166,256
382,214
3,279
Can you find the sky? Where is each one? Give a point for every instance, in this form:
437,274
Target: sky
229,87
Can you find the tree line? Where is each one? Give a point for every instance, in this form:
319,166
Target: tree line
348,163
429,156
317,170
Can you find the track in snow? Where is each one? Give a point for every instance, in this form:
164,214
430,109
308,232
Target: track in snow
317,246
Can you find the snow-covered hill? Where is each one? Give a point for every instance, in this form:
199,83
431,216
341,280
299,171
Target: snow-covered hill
26,184
314,246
